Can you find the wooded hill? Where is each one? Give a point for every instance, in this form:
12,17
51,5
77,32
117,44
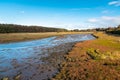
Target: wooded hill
12,28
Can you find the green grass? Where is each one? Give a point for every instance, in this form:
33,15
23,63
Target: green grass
97,55
108,43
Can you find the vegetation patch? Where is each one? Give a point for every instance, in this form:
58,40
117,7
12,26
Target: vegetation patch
97,55
92,60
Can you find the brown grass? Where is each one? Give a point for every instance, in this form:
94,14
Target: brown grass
15,37
92,60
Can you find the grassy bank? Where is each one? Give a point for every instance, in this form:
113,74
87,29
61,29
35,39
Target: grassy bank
93,60
15,37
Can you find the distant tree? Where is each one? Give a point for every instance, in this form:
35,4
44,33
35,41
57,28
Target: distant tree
12,28
113,30
76,30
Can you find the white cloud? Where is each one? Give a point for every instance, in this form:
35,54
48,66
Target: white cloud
107,18
22,12
92,20
115,20
115,3
105,11
2,21
106,21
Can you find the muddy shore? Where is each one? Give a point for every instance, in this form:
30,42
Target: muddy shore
44,68
31,61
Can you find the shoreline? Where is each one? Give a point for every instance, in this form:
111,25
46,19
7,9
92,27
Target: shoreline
45,68
92,60
44,64
20,37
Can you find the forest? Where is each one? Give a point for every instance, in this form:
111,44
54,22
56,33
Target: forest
13,28
114,30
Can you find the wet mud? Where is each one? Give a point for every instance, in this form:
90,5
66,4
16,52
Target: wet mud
41,62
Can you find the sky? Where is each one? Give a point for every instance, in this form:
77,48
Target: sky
68,14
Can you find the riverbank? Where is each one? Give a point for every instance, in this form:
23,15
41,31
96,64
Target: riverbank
37,59
17,37
92,60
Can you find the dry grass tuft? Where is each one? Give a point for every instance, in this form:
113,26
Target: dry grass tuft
92,60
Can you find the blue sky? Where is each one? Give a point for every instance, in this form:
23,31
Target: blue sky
69,14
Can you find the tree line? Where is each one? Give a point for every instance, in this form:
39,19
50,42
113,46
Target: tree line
13,28
112,30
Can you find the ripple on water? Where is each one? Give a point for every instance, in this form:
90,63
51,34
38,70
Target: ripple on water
21,54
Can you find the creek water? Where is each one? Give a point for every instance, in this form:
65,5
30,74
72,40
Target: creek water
14,57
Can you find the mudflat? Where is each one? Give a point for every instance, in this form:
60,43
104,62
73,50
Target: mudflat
37,59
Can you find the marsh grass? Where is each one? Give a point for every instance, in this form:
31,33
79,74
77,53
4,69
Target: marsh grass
93,60
16,37
97,55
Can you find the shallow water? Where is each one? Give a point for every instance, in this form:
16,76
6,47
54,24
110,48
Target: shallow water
14,55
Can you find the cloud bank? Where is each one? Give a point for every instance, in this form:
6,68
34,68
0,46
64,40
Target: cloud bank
106,21
115,3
